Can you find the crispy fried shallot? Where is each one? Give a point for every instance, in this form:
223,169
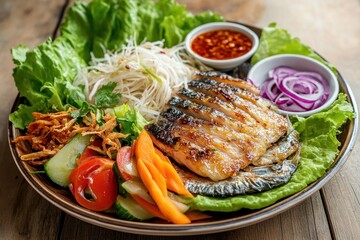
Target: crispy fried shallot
50,132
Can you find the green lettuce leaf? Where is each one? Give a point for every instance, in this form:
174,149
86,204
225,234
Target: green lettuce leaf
131,122
41,76
23,116
319,150
105,97
275,41
44,75
107,24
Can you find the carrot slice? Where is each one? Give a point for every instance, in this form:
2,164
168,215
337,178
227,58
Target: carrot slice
161,155
157,177
153,209
173,179
145,149
197,215
163,202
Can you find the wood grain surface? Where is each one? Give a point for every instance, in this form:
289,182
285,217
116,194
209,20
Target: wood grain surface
23,213
332,27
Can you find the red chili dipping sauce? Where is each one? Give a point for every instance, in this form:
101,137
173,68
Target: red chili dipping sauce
221,44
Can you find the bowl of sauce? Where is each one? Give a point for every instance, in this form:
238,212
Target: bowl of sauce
222,45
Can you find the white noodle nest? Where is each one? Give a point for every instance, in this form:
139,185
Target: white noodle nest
146,75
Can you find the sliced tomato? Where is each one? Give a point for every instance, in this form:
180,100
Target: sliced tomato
124,157
95,177
89,152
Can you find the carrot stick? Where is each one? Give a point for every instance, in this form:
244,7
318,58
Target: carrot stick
161,155
163,202
144,146
153,209
145,149
197,215
157,177
173,179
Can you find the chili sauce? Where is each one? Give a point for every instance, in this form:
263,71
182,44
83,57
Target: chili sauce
221,44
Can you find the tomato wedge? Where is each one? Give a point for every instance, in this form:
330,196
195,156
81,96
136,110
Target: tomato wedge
96,177
89,152
123,158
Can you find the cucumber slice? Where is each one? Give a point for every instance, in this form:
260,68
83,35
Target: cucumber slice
128,209
179,202
137,188
60,166
120,179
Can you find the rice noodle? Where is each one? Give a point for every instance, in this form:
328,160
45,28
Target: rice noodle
146,75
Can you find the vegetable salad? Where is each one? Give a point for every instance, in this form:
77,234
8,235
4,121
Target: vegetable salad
45,77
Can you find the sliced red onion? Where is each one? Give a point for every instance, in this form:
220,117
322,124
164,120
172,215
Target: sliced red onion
271,90
250,81
294,90
305,98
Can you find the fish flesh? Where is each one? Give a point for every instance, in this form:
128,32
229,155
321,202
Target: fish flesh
252,179
219,130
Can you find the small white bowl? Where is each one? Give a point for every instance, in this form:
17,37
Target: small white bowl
259,73
226,64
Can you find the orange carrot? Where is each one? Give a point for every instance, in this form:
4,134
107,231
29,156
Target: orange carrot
144,146
163,202
157,177
174,181
153,209
145,149
197,215
161,155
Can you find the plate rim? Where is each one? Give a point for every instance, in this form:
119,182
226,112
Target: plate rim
158,229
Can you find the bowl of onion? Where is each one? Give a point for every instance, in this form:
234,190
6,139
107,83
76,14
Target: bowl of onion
297,84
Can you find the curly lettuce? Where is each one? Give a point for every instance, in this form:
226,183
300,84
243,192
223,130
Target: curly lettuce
107,24
44,75
319,150
275,41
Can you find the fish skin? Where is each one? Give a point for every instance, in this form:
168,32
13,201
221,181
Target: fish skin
280,151
247,181
225,78
252,105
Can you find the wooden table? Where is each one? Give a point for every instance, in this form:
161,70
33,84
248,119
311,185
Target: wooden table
332,27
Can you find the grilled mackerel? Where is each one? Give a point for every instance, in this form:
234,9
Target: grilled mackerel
232,140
